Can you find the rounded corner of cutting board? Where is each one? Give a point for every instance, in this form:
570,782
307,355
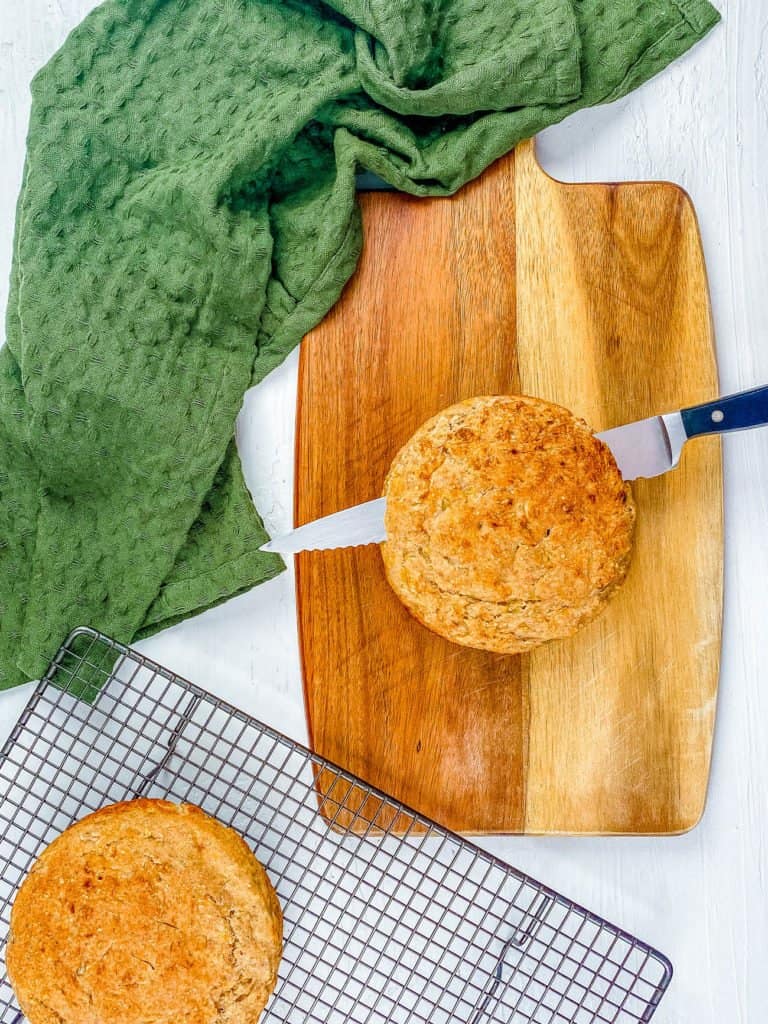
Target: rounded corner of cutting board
599,304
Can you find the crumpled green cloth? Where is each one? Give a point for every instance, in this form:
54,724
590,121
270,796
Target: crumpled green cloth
188,213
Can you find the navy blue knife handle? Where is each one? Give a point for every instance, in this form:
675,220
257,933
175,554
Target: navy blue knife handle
733,412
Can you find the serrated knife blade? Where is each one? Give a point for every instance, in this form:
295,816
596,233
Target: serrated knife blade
360,524
645,448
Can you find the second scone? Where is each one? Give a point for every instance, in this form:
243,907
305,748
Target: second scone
508,523
145,912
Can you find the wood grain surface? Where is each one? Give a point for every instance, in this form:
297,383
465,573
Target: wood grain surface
594,296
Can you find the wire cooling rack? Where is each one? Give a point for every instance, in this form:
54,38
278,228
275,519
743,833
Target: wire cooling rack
389,918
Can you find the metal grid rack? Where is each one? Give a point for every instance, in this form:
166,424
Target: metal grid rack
389,918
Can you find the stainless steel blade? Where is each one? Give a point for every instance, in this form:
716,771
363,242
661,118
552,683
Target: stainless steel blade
361,524
647,448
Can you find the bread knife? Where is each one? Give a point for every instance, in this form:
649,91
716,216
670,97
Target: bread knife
645,448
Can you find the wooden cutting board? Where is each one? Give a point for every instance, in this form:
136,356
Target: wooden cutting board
594,296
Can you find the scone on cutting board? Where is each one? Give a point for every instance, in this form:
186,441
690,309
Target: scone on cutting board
145,912
508,523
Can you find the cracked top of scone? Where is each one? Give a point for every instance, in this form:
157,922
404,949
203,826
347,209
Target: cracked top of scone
145,912
508,523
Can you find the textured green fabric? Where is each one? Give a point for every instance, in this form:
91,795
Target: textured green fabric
188,213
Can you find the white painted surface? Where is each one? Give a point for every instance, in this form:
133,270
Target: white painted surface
702,898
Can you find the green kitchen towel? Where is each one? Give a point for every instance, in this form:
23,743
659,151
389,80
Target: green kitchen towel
188,213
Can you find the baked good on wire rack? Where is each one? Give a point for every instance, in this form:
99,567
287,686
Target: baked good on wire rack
145,912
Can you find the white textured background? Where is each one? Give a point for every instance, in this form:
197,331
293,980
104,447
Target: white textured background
701,898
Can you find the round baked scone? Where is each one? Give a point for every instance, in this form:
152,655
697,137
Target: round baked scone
146,912
508,523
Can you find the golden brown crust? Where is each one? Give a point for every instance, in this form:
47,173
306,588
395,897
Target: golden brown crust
146,912
508,523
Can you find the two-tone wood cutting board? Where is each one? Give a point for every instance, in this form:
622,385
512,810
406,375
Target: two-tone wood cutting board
594,296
